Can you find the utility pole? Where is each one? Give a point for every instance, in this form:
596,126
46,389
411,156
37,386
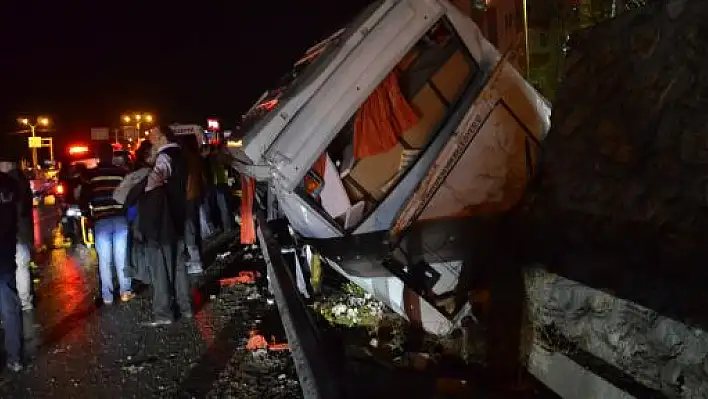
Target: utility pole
33,142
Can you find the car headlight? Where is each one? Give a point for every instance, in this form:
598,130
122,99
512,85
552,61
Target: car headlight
73,212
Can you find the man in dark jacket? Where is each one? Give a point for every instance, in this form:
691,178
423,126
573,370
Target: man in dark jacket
110,223
25,233
162,212
10,307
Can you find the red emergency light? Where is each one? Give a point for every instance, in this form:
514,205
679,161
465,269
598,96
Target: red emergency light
78,149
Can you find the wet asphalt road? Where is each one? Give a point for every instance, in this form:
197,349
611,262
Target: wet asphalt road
78,349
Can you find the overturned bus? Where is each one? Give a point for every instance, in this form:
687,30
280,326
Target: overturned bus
382,145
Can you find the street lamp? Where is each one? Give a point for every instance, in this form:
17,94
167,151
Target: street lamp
137,120
41,121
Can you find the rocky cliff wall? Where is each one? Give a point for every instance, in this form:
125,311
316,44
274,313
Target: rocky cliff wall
623,183
618,217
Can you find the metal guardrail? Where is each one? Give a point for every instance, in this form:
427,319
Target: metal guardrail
315,372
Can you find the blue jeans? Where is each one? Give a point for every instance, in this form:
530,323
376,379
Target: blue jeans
23,257
112,249
193,239
11,312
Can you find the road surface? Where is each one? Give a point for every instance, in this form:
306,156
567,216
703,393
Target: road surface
79,349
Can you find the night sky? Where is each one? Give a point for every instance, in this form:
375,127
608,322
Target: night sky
84,65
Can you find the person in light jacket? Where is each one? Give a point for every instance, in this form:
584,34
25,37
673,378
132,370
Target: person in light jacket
144,160
162,210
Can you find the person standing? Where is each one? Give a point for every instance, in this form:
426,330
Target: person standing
136,267
110,223
11,206
25,233
207,214
195,185
162,213
223,191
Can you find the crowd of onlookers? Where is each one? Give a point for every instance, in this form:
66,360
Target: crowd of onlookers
151,224
149,217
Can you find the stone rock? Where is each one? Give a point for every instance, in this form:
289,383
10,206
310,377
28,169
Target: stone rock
629,140
621,200
658,352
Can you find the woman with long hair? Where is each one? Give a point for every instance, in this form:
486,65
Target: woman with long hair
144,155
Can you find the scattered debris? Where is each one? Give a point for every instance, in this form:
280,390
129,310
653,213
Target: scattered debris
351,307
132,369
223,255
254,295
260,354
58,350
256,341
279,347
244,277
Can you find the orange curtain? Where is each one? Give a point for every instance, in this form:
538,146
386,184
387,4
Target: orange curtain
248,225
319,166
382,119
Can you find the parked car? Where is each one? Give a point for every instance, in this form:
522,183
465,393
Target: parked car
44,186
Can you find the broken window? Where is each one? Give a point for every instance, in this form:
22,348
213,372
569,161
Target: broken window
306,67
270,99
391,129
